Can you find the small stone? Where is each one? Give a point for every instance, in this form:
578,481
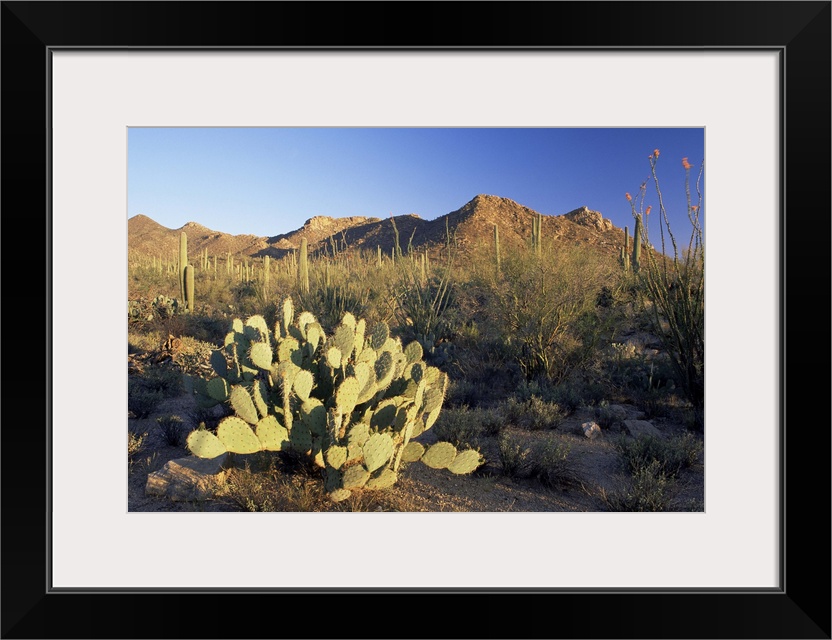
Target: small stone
591,430
190,478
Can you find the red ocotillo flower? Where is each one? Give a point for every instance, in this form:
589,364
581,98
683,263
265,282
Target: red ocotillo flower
647,213
686,164
629,197
656,152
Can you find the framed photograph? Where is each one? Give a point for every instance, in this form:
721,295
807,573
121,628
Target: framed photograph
77,77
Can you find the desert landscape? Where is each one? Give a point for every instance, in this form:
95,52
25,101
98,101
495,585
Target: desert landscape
491,359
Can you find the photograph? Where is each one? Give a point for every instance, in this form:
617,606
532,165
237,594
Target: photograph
425,300
416,319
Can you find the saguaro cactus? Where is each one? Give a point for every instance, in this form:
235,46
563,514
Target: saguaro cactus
637,244
303,268
189,288
183,262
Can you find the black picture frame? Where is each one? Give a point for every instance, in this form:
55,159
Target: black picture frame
799,31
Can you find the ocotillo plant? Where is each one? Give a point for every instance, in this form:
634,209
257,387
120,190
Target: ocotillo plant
303,268
266,272
352,403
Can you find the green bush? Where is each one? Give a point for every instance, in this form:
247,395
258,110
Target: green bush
551,464
668,456
515,456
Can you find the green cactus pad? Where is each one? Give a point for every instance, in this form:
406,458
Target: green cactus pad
387,479
466,462
413,451
285,373
313,413
367,355
377,451
260,355
384,369
218,363
404,416
360,329
286,349
333,479
348,320
204,444
336,456
260,394
384,415
339,495
439,455
217,389
314,335
354,452
206,402
433,399
303,384
413,352
433,375
237,436
343,338
355,477
237,325
361,371
333,357
243,405
417,372
347,395
229,339
379,336
271,434
358,434
305,318
301,437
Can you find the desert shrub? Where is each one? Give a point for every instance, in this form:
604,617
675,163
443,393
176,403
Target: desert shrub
515,456
604,416
141,401
136,442
543,306
166,381
172,430
668,456
534,414
465,427
551,464
649,491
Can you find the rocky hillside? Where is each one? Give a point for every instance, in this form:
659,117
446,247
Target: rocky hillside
472,223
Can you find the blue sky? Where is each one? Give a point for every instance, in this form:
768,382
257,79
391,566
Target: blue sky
266,181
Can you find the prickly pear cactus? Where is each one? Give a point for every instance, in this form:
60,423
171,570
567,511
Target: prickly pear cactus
353,401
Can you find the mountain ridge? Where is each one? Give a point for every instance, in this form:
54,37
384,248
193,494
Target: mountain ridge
472,223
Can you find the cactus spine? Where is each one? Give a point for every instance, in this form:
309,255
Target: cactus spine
637,244
303,268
